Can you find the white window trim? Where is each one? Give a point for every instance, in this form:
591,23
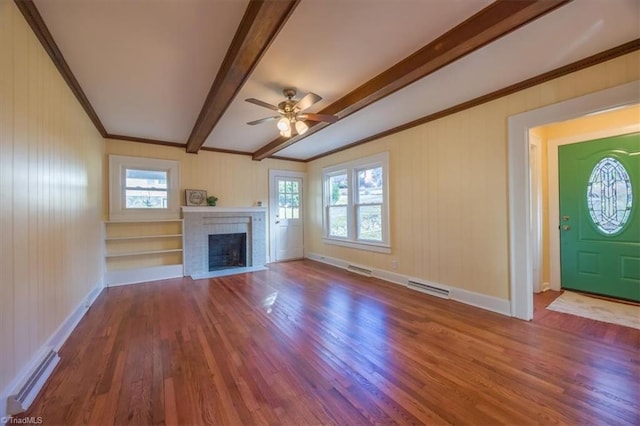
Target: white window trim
118,164
352,168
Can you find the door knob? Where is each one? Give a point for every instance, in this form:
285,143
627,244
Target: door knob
277,222
565,227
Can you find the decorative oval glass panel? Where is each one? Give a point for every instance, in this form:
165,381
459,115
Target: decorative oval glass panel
609,196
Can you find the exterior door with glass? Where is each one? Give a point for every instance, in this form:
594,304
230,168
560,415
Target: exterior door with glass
286,213
599,184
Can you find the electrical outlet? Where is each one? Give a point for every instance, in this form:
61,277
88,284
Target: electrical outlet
394,264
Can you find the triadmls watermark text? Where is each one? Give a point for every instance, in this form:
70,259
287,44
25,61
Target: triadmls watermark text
20,420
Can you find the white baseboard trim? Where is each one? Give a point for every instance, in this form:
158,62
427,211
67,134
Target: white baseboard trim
479,300
8,403
483,301
68,325
139,275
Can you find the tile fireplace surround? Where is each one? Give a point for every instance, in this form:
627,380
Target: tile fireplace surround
200,222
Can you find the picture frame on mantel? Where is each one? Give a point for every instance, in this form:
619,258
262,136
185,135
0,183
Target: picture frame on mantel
195,197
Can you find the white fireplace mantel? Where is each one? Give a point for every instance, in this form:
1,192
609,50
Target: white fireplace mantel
207,209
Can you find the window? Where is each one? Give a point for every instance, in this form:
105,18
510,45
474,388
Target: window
356,212
289,198
143,188
609,196
338,204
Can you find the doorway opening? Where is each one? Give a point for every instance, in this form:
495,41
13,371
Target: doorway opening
520,182
545,212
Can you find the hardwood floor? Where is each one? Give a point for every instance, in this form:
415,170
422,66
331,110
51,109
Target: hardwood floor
609,334
305,343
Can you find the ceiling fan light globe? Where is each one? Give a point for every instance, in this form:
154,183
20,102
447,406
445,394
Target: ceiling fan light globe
284,125
301,127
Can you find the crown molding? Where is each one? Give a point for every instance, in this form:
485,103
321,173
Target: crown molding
144,140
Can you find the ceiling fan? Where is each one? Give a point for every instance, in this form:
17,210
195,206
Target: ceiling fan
291,119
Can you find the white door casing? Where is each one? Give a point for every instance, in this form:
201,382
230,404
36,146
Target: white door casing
535,219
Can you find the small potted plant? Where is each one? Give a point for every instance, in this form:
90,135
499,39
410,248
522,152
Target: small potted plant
212,200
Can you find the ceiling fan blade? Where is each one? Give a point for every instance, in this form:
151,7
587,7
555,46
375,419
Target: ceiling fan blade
262,103
306,101
319,117
263,120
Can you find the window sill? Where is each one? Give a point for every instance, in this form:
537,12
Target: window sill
375,247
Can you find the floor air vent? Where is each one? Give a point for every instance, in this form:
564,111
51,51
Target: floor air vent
21,401
359,270
429,289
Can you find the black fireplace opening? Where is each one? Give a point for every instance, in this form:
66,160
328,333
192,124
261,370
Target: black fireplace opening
227,251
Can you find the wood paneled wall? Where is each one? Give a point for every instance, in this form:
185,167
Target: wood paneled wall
50,197
449,187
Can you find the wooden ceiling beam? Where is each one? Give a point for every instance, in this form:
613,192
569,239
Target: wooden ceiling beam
573,67
489,24
261,23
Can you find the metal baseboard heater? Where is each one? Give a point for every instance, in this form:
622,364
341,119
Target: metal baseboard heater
360,270
20,401
429,289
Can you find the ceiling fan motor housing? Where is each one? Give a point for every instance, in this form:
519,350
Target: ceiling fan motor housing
288,105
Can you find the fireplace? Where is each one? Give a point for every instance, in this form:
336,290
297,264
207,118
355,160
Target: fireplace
225,223
227,251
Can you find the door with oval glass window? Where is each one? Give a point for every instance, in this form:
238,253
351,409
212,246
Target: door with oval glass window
599,216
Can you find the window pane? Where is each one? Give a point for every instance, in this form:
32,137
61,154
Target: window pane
370,188
145,189
338,221
370,222
146,179
149,199
339,190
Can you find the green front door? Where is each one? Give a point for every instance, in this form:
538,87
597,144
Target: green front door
600,216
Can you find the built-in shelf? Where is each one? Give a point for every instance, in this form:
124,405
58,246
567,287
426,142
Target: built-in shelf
143,237
143,250
143,253
143,221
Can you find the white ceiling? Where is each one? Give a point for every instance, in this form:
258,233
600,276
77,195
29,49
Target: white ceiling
147,66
